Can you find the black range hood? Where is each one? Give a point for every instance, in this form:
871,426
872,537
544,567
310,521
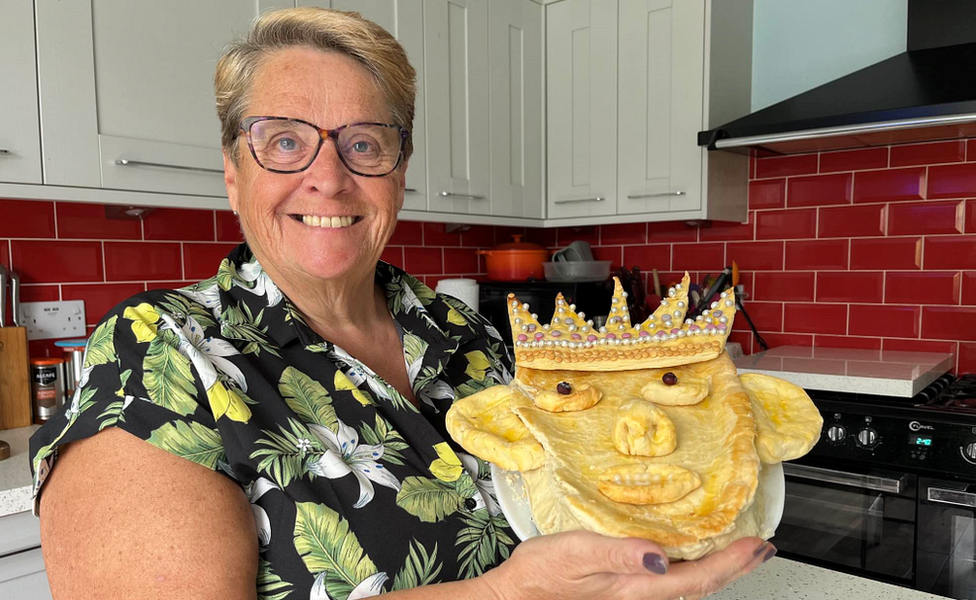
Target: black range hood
927,93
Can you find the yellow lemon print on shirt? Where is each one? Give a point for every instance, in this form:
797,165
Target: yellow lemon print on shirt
344,383
455,318
477,365
226,402
448,467
144,318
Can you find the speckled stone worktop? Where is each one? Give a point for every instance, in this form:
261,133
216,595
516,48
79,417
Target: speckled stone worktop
889,373
15,477
781,579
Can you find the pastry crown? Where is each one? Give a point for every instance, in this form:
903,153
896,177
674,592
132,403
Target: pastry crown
665,339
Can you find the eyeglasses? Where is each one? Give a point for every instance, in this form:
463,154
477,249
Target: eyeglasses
283,145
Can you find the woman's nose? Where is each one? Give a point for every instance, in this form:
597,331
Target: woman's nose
328,174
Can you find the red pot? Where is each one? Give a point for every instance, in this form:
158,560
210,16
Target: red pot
515,261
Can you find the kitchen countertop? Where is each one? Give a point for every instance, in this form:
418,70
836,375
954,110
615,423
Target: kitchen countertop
782,579
15,477
889,373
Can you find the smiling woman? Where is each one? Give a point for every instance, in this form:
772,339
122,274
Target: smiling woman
293,403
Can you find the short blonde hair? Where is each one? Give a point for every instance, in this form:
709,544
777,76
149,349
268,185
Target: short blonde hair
322,29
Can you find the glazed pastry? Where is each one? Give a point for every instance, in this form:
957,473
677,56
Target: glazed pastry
787,423
682,392
567,398
641,429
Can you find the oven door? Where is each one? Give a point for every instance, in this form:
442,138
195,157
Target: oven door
858,521
947,538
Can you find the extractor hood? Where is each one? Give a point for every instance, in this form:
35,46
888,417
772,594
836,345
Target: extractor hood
927,93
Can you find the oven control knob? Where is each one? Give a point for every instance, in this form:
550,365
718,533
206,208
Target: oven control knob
867,437
971,451
836,433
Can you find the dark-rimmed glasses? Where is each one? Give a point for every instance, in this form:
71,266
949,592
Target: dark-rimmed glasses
284,145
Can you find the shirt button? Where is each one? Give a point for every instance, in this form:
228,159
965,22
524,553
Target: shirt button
470,503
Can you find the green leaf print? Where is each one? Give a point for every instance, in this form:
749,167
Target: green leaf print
226,274
192,441
384,435
270,586
101,344
423,293
180,307
473,386
307,398
239,323
85,401
419,568
112,415
413,347
483,543
324,541
287,455
430,500
168,376
123,379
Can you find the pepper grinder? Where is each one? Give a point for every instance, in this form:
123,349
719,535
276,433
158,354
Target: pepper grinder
4,450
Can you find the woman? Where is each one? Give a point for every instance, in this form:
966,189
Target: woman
294,402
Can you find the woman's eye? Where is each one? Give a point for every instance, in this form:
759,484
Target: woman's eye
361,146
286,144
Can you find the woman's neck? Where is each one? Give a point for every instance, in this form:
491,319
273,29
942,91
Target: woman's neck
352,306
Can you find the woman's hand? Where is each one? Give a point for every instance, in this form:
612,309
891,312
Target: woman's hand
582,564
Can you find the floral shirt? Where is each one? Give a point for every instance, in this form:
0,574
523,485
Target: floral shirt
354,490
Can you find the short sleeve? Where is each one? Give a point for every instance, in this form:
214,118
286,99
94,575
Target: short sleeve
137,377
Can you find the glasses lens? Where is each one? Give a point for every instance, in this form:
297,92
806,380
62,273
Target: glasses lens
283,145
370,149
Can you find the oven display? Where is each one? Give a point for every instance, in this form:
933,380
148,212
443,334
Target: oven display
919,440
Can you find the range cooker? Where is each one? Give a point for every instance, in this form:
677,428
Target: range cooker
889,491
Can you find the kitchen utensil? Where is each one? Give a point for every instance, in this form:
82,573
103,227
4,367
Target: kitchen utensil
15,397
593,270
575,252
657,283
515,260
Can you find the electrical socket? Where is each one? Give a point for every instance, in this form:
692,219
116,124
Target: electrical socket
53,320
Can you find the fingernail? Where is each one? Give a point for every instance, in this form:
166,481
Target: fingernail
655,563
762,548
770,554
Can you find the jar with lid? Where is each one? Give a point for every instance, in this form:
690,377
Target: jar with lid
47,387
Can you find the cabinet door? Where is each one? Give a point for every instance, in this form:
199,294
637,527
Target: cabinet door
581,71
126,91
22,576
458,157
660,98
20,141
515,54
405,20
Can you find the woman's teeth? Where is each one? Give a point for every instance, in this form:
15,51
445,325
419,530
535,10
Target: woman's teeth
316,221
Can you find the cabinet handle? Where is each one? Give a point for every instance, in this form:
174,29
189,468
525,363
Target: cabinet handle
468,196
657,195
954,497
4,152
410,189
597,199
124,162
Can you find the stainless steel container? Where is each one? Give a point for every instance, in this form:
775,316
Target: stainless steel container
47,387
74,358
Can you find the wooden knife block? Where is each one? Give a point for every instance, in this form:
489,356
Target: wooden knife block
15,389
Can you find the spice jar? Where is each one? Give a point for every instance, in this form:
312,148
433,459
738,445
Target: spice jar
47,387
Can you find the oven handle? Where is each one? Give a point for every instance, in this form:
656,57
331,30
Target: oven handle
864,482
954,497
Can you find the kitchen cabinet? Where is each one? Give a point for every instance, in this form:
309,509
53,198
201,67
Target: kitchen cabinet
405,20
22,573
581,70
126,92
630,84
20,142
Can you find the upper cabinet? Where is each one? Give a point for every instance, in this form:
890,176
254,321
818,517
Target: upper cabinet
581,74
631,82
20,142
404,19
484,82
126,92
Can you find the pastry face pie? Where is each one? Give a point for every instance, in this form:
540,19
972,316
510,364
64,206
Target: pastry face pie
637,430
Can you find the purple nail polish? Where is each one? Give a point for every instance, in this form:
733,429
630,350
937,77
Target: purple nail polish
655,563
761,548
771,553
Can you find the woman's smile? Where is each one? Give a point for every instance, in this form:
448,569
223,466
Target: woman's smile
328,222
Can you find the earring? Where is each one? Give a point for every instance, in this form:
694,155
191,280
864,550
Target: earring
235,213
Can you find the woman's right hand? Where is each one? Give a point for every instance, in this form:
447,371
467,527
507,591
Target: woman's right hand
582,564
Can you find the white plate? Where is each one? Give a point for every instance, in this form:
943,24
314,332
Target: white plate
514,500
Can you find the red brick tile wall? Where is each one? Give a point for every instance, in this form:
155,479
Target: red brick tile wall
872,248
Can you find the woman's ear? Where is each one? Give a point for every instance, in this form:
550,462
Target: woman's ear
230,180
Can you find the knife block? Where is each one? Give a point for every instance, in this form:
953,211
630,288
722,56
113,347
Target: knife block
15,389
